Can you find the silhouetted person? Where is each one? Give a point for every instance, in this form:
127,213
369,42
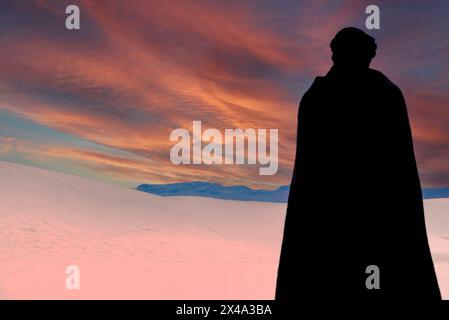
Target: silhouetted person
355,196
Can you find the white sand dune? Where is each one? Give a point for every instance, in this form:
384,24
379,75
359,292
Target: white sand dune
132,245
129,244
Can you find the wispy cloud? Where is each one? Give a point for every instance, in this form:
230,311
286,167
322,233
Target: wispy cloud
134,72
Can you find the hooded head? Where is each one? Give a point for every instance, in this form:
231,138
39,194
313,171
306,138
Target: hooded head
352,50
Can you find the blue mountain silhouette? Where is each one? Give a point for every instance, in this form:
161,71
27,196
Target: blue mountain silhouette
215,190
435,193
242,193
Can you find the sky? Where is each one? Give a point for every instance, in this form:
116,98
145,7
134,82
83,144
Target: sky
101,101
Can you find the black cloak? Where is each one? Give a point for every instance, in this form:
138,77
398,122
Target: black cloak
355,197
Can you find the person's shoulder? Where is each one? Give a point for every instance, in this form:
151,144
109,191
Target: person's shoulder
317,86
312,94
383,81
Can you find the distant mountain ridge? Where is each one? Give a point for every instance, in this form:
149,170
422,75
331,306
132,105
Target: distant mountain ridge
215,190
435,193
242,193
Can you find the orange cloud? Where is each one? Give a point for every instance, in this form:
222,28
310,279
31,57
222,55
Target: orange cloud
134,72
